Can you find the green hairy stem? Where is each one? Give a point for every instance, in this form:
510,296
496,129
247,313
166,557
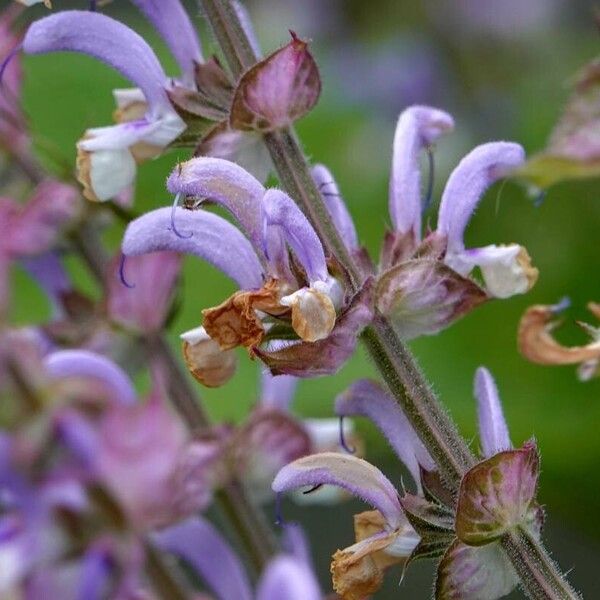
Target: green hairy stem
539,575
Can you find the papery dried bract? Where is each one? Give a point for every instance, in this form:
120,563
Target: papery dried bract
537,344
310,359
497,495
278,90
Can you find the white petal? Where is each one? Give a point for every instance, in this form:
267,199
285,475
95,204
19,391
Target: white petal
111,171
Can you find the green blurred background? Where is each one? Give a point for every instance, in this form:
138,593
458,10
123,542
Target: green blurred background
504,76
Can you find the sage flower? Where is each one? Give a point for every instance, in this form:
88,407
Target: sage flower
147,122
403,526
287,576
288,291
424,284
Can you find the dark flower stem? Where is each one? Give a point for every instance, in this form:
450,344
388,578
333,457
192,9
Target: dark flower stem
540,578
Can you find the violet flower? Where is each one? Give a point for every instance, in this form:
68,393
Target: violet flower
287,289
424,284
147,122
272,437
404,526
288,576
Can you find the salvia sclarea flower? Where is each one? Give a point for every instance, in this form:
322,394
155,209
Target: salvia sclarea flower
199,545
537,344
496,495
272,436
287,288
224,115
424,284
88,458
32,228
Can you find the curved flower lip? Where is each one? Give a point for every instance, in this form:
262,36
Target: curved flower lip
281,212
198,543
493,430
366,398
417,128
355,475
225,183
173,24
83,363
338,211
107,40
474,174
213,239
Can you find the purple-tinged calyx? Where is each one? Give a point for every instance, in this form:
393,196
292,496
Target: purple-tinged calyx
278,90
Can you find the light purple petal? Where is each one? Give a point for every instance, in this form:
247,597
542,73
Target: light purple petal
353,474
417,128
173,24
49,273
213,239
95,572
282,213
78,435
199,544
467,183
225,183
107,40
493,431
277,391
82,363
288,579
336,206
146,306
368,399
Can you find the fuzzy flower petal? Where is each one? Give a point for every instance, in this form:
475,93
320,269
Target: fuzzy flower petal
199,544
212,239
493,430
366,398
107,40
174,26
338,211
82,363
417,128
280,212
467,183
355,475
277,391
225,183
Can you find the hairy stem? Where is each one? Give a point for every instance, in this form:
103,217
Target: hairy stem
539,574
395,362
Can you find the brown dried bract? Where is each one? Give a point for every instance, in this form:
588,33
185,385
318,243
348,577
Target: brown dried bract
356,571
83,167
235,322
537,344
209,364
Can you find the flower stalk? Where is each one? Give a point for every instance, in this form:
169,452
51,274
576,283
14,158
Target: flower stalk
540,577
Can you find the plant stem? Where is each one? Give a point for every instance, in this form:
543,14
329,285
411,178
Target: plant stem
393,359
539,574
165,578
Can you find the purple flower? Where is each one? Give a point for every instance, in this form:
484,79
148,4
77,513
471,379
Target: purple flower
425,284
197,542
430,523
147,122
279,265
